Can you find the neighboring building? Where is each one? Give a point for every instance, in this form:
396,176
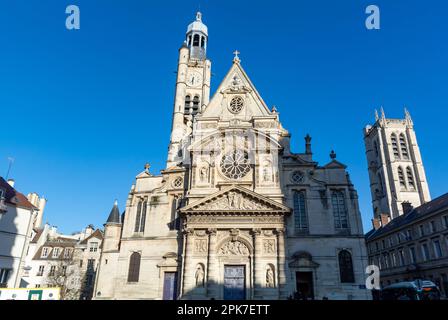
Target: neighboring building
409,239
395,165
18,216
66,261
413,245
235,214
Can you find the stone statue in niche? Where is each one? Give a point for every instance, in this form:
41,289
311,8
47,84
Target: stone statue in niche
267,172
270,281
199,275
203,174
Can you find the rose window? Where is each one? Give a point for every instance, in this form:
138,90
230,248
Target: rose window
235,164
236,104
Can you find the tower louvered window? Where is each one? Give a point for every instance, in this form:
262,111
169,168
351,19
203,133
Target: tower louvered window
187,105
410,178
393,139
403,147
195,104
401,178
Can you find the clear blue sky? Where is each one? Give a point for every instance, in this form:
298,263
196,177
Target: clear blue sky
82,111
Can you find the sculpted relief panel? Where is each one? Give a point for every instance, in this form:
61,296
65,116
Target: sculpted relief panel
236,248
233,201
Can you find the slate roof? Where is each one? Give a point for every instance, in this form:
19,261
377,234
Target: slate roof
114,216
97,234
435,205
14,197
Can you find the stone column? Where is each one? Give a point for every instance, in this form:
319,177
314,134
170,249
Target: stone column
212,267
188,276
258,266
281,267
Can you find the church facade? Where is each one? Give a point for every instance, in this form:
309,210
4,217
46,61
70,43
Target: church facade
236,214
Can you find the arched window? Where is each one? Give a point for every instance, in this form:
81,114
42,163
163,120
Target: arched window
393,139
202,42
140,217
410,175
380,183
196,40
339,210
375,147
189,40
401,178
300,216
403,147
134,267
187,104
195,104
346,267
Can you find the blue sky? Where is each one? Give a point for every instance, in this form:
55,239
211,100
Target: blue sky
82,111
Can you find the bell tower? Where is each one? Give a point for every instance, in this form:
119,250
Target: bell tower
192,88
396,172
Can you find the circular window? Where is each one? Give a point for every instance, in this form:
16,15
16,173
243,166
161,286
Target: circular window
236,104
178,182
297,177
235,164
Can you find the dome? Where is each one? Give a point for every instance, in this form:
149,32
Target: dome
198,25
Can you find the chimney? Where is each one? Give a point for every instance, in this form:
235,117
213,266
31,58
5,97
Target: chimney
41,205
384,219
11,182
308,144
407,207
376,223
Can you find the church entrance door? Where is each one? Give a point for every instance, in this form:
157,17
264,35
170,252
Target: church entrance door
304,283
234,282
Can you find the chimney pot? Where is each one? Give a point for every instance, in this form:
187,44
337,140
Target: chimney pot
407,207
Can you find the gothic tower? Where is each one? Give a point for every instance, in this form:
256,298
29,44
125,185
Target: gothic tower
396,172
192,88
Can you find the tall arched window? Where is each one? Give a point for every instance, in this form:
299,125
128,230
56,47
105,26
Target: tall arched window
339,210
401,178
300,217
134,267
375,147
380,183
140,217
403,147
393,139
346,267
195,104
187,104
410,175
202,42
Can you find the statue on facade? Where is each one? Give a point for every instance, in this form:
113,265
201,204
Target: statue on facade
199,275
270,278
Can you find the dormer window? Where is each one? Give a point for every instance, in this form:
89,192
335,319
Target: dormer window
45,252
56,252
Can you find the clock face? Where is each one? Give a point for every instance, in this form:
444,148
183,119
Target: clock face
194,79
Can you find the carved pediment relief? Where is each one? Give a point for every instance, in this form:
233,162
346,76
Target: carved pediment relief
234,248
236,198
303,260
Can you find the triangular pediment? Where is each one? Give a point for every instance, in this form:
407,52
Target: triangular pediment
334,164
236,83
236,199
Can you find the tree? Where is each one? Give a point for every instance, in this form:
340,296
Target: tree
65,274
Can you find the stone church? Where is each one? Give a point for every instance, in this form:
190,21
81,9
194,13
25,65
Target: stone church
236,214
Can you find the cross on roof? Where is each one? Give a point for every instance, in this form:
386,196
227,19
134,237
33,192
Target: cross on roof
236,53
